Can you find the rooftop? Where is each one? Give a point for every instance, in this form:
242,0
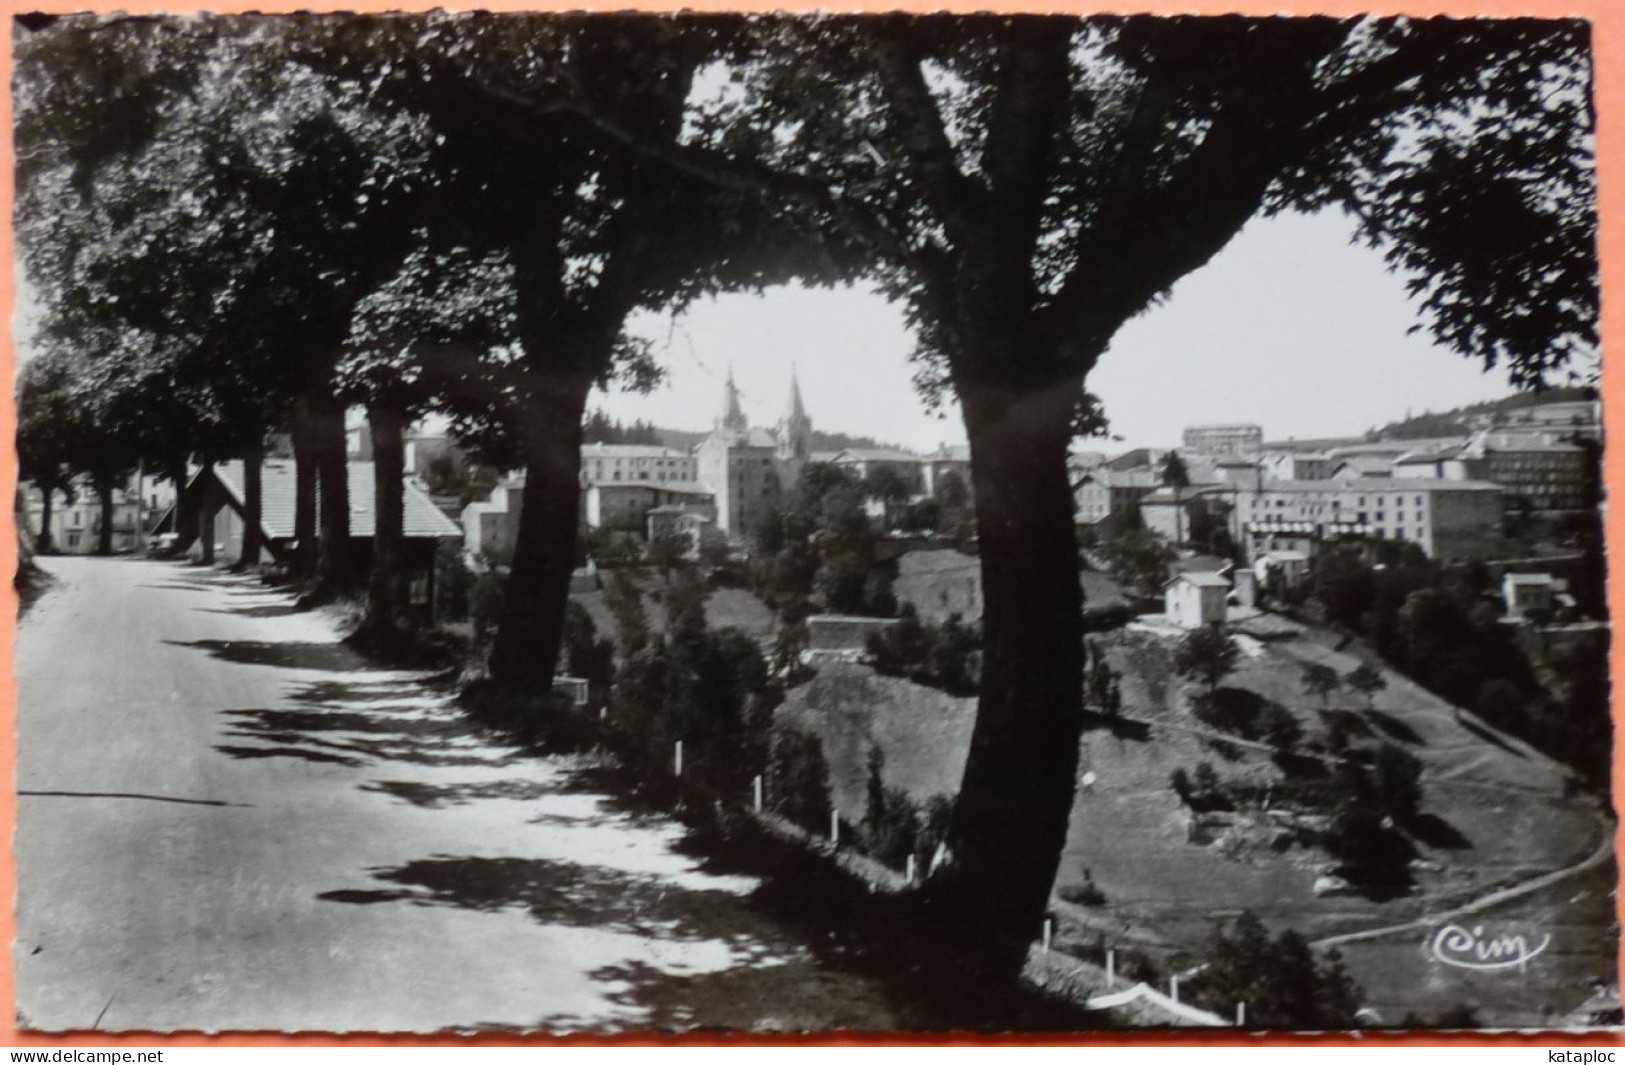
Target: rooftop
1380,484
631,451
419,516
1200,579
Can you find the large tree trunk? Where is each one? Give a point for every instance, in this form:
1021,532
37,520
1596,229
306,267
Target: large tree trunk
42,542
253,507
304,491
333,569
525,652
104,495
1011,817
181,522
205,514
387,428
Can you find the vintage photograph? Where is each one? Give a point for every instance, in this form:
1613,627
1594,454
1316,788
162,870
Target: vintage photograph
558,522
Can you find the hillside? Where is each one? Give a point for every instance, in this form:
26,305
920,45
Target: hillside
1495,812
684,440
1454,422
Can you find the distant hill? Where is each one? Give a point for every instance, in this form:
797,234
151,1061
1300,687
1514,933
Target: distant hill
684,439
1454,422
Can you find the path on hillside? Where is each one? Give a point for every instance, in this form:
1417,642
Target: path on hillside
227,820
1500,896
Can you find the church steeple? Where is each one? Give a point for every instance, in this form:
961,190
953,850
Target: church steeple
796,411
795,428
733,416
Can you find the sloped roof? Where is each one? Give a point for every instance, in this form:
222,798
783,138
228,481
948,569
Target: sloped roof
1201,564
1200,579
419,516
631,451
875,454
1391,485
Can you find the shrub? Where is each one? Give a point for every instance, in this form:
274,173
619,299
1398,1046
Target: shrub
797,780
452,579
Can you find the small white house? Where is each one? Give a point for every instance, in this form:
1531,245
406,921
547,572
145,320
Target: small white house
1192,600
1524,592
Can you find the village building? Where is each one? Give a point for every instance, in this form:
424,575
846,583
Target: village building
611,463
490,525
1545,475
1280,570
1223,441
1446,519
76,517
695,522
1105,493
214,509
748,470
624,507
949,460
1524,593
1563,420
1280,465
1196,598
866,462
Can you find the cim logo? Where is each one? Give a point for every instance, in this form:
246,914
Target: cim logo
1474,948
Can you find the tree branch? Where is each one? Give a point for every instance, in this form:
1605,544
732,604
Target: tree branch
955,199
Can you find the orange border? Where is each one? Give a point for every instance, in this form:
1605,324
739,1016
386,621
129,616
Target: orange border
1608,22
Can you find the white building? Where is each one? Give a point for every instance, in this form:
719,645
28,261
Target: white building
645,463
749,470
1194,599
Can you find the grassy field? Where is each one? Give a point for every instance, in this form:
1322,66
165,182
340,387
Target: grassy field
1497,812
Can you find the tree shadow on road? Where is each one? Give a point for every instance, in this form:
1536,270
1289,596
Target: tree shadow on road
360,737
328,657
440,796
277,610
821,931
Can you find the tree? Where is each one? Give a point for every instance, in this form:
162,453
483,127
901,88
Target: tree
1138,559
1175,476
45,415
149,206
625,601
1396,781
590,231
668,551
1320,680
1365,680
1208,655
1029,184
1343,585
885,484
1277,978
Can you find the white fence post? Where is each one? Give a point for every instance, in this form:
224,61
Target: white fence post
1241,1015
835,828
1173,988
756,792
1111,967
1049,933
677,759
908,869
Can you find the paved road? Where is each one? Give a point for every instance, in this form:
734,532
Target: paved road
228,821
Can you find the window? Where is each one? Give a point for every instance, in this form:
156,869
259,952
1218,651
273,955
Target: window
73,539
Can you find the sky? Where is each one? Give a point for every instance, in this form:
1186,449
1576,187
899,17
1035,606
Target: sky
1290,327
